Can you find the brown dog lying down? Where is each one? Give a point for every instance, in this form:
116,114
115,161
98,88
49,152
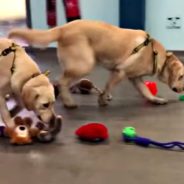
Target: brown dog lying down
125,53
21,77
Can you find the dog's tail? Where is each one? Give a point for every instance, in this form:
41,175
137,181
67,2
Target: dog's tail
36,37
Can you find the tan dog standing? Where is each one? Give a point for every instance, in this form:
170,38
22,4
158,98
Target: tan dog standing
126,53
21,77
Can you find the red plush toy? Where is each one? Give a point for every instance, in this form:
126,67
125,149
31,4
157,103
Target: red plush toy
94,132
152,86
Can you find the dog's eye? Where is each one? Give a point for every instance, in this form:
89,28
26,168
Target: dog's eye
46,105
181,77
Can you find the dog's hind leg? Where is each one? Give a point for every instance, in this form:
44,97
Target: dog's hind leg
115,78
145,92
77,64
66,97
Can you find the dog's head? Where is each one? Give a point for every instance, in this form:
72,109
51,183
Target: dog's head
173,73
38,96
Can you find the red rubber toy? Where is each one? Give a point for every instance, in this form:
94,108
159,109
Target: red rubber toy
93,132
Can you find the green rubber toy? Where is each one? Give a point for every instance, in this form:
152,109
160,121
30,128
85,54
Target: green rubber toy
129,132
181,97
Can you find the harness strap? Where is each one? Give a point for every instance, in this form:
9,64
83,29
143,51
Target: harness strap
145,43
155,53
12,69
9,50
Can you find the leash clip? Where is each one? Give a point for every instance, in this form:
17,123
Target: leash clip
47,72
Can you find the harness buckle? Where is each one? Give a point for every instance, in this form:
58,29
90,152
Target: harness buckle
47,72
147,42
143,44
135,50
5,52
12,69
10,49
155,52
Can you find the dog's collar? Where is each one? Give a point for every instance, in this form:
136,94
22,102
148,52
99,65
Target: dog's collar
164,66
9,50
155,63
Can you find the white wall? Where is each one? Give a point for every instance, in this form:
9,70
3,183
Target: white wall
12,9
157,12
38,14
106,10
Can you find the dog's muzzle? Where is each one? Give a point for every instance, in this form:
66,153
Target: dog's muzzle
175,90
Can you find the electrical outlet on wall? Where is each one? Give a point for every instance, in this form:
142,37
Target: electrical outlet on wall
173,22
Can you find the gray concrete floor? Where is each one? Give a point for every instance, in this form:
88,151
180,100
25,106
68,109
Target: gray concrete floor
69,161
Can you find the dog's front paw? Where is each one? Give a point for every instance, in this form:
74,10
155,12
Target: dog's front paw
109,97
45,137
159,101
70,106
103,100
69,103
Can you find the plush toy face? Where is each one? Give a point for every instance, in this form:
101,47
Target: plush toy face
22,131
20,134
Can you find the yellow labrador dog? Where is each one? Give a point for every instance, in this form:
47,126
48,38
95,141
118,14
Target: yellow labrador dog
21,77
125,53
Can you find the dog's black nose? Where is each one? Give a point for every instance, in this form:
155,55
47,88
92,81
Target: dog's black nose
175,89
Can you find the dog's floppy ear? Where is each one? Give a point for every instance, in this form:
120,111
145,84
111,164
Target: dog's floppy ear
29,95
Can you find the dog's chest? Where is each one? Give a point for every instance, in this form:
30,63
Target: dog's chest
5,86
